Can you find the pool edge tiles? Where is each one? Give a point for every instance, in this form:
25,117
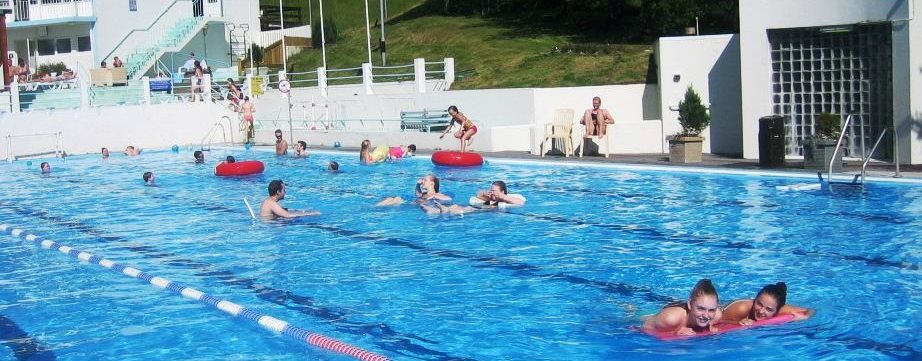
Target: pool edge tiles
263,321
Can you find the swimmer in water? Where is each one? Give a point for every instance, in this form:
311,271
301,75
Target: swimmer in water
272,209
427,190
769,302
148,178
699,314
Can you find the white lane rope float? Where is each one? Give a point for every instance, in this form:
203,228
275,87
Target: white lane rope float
265,321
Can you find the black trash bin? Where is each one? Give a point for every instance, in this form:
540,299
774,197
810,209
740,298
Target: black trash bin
771,141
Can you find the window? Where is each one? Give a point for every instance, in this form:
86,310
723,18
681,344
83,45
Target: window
63,45
132,5
83,43
45,46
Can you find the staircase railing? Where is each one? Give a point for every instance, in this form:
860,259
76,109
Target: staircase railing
168,18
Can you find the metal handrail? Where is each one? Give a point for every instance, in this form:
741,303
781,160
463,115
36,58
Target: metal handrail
838,145
896,154
212,132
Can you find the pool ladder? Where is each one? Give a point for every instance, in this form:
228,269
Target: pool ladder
867,158
213,132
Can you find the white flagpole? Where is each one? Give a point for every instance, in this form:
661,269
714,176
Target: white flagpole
323,40
368,31
284,48
383,40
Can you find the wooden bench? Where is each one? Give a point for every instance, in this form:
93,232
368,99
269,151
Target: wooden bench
425,120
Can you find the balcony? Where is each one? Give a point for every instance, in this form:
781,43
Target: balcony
49,10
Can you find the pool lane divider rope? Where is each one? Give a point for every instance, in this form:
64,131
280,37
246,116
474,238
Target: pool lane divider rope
265,321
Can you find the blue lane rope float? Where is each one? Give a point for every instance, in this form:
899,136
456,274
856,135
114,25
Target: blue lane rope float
265,321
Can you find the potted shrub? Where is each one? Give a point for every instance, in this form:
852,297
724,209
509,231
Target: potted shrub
818,148
685,147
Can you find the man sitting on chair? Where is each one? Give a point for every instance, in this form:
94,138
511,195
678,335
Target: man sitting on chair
596,119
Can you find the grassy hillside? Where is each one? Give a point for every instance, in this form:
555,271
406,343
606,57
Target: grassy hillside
488,52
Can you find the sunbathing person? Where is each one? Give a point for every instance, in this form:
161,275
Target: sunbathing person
596,119
769,302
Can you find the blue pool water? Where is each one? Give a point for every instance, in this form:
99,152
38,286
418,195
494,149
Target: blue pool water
567,277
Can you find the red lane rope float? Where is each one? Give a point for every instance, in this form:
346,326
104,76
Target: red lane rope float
725,327
456,159
245,167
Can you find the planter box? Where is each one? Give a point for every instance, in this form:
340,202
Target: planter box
818,153
685,149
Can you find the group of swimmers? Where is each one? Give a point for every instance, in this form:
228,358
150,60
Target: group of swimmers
701,313
383,152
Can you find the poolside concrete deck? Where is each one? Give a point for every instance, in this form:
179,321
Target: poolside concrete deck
708,160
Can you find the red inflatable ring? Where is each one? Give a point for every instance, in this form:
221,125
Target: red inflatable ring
245,167
456,159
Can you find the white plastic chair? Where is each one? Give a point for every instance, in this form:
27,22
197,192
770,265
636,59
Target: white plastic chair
561,128
604,141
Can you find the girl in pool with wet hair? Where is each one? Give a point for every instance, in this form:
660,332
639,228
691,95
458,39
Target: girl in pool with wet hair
427,192
365,152
769,302
699,314
497,194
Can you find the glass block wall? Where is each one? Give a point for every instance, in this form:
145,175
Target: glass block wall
840,70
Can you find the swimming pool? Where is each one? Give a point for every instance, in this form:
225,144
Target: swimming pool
564,278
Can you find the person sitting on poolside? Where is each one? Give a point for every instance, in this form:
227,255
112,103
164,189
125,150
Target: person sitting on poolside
199,156
769,302
131,151
401,151
271,209
301,149
596,119
148,178
104,152
427,190
699,314
45,167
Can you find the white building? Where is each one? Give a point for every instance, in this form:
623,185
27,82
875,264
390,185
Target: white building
801,58
146,35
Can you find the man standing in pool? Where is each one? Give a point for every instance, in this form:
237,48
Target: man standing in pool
281,146
271,209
